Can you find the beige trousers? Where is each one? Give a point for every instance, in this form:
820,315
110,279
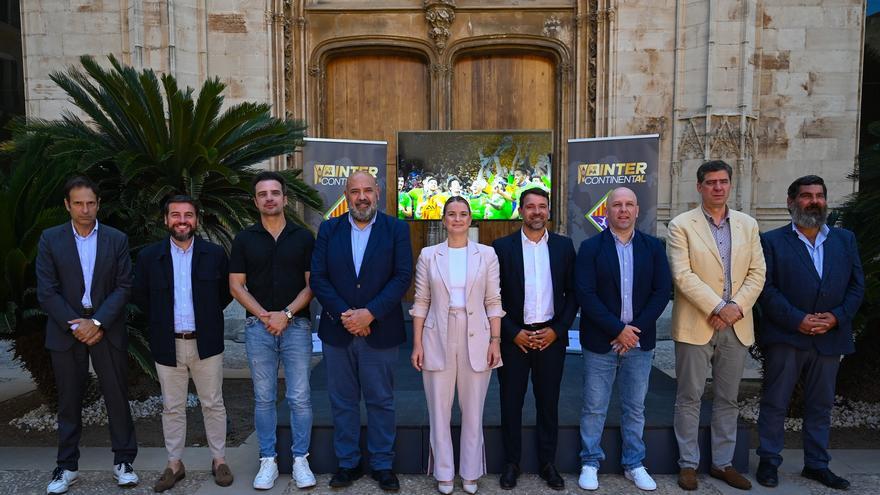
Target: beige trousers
440,388
207,374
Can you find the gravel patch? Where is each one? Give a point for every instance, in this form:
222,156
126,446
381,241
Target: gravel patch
845,414
43,419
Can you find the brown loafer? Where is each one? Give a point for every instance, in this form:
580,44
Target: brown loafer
687,479
731,477
222,475
169,478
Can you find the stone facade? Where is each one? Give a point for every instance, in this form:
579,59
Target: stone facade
773,86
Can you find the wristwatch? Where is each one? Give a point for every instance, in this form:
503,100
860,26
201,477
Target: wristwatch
288,314
96,322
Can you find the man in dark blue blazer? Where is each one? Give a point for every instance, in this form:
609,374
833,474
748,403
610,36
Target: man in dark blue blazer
361,269
83,284
182,284
623,285
537,293
814,287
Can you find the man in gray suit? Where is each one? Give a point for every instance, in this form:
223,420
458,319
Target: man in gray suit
83,284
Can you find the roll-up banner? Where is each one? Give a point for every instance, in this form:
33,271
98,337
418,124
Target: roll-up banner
327,164
598,165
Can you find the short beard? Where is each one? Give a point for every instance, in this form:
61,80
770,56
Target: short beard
807,219
182,237
365,216
536,224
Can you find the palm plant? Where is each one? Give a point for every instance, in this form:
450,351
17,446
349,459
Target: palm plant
142,138
147,139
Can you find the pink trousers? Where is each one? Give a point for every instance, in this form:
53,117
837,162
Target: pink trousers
440,388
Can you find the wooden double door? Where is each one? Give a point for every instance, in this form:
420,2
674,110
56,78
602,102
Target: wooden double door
375,95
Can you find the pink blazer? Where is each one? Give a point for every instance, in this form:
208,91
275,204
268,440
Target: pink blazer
483,300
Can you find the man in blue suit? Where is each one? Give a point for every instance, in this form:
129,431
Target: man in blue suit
813,289
623,285
361,269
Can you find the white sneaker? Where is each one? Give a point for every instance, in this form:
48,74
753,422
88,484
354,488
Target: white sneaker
302,473
589,479
125,475
268,473
61,480
641,478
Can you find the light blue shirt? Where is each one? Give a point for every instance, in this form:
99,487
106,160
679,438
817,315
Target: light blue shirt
625,261
359,239
87,248
184,314
815,250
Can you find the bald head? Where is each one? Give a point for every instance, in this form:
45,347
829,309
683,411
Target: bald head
621,192
361,178
622,210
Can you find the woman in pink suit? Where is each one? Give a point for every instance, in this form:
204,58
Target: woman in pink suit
456,341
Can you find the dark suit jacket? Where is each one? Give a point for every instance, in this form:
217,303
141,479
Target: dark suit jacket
60,284
154,294
793,289
510,259
386,272
598,289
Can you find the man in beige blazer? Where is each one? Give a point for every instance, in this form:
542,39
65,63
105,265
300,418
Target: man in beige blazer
718,271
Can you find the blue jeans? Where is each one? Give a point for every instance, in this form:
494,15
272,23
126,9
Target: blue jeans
352,370
294,350
630,371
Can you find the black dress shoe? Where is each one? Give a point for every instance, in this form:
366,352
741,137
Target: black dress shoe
767,474
344,477
551,476
509,476
826,477
387,480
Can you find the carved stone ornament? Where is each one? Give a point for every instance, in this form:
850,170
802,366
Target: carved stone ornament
691,143
439,14
551,27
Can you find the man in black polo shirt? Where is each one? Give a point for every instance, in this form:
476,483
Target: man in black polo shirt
269,276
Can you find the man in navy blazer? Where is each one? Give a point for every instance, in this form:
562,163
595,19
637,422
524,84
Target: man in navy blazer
83,284
537,294
361,269
814,287
182,284
623,285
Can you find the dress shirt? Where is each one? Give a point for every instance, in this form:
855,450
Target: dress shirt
721,233
359,239
625,262
87,248
457,277
184,313
538,299
815,250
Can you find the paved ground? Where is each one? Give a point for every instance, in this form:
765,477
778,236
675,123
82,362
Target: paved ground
27,471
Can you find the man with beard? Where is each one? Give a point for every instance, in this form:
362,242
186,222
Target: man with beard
361,269
269,276
814,287
83,283
182,285
538,296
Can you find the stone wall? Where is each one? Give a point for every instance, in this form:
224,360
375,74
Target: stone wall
771,86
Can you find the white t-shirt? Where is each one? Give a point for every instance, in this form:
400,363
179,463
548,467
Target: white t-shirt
457,277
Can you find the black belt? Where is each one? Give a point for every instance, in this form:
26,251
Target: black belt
536,326
185,336
88,312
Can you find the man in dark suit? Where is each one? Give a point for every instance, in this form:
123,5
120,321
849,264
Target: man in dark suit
537,293
182,284
83,283
623,286
813,289
361,269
